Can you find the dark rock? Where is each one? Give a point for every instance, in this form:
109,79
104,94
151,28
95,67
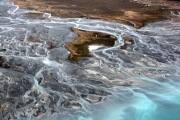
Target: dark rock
16,90
34,93
20,86
71,104
59,87
92,98
91,90
53,100
24,102
3,62
26,82
12,116
39,110
3,90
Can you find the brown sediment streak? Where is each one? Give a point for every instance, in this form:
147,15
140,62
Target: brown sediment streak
127,41
35,15
33,39
121,11
79,46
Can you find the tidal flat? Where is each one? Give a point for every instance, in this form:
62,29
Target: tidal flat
89,60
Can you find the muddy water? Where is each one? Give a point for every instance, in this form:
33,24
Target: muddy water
39,81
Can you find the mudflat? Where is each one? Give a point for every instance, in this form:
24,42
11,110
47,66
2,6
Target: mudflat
134,13
172,4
